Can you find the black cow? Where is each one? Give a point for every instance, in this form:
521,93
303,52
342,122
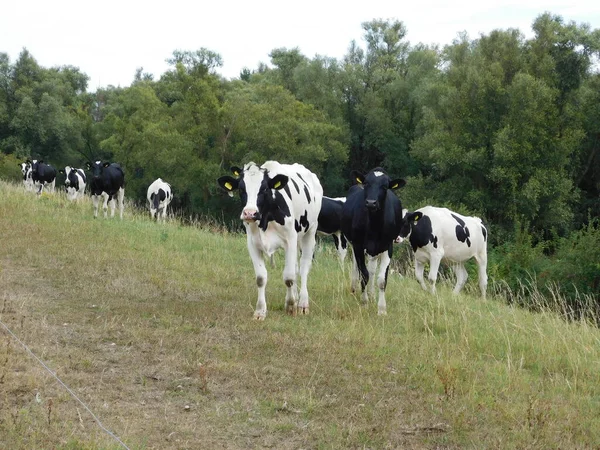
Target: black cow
108,181
371,221
43,174
330,224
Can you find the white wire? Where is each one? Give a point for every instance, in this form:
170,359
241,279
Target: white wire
110,433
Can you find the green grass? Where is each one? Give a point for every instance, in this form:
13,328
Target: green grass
151,326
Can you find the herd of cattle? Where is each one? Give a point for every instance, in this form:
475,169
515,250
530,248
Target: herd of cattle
283,206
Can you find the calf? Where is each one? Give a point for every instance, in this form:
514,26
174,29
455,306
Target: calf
108,181
26,171
438,233
371,220
42,175
280,208
75,180
330,223
159,196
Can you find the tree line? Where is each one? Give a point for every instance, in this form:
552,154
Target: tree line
500,126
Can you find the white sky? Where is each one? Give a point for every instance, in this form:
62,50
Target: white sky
109,40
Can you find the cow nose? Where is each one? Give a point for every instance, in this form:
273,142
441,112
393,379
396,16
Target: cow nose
371,204
250,214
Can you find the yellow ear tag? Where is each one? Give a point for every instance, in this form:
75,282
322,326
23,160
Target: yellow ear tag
236,173
277,185
228,185
395,186
358,179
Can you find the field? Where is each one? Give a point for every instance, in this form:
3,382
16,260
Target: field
151,327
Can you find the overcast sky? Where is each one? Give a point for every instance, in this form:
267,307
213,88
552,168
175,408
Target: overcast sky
109,40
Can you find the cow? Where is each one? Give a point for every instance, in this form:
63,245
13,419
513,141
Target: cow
42,175
280,209
437,234
75,180
330,222
107,181
371,221
159,196
26,171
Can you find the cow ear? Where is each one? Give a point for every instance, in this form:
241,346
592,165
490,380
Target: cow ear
228,184
414,217
357,177
236,171
278,181
106,164
28,161
89,166
41,161
397,183
61,171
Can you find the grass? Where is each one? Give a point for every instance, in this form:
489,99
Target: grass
151,326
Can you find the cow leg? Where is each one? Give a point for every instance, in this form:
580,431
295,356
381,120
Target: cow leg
372,268
95,201
354,275
41,189
359,256
482,265
120,198
107,199
384,266
308,243
52,186
419,270
343,248
434,265
260,270
461,276
289,275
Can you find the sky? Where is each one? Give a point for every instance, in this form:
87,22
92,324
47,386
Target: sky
109,40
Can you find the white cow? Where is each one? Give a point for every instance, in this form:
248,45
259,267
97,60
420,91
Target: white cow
280,209
75,181
26,171
437,234
159,196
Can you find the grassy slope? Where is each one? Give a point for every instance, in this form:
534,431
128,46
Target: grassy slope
143,320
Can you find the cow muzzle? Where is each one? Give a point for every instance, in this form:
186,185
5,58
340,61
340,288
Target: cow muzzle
250,215
372,205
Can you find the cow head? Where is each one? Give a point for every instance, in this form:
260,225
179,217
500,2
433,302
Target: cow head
376,185
256,189
410,220
96,168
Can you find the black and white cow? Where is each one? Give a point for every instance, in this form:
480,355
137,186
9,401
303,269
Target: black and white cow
107,181
280,208
26,171
371,220
437,234
75,181
42,175
159,196
330,224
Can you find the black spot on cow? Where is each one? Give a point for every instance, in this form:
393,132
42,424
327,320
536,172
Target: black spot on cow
304,221
295,185
286,188
307,194
297,226
484,232
462,231
277,210
300,176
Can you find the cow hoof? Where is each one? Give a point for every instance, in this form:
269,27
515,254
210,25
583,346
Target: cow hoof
382,313
259,316
304,311
291,310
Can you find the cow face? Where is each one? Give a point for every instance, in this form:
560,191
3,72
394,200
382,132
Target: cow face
376,185
96,168
410,220
256,192
25,167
